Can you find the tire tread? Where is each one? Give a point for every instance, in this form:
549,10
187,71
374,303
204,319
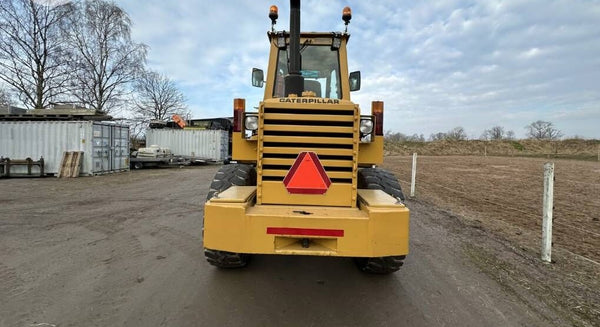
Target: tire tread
228,175
379,179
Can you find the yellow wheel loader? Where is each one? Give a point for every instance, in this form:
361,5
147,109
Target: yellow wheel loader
305,181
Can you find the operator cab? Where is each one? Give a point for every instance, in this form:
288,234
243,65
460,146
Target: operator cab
320,69
322,64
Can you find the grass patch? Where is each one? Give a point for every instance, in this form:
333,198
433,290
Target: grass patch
517,145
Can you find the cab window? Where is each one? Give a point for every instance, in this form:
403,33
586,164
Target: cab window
320,69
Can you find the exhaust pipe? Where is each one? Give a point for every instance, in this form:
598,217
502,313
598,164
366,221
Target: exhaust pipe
294,82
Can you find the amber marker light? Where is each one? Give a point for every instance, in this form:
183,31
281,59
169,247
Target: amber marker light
239,106
347,14
273,13
377,112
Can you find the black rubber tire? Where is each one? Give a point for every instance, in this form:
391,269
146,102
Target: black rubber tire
138,165
234,174
227,260
380,265
228,175
379,179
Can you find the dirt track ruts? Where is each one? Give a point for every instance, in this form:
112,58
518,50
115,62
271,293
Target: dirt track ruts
125,250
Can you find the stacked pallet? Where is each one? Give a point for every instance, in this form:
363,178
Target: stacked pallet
70,164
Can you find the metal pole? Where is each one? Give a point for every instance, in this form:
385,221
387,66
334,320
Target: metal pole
547,211
294,82
414,175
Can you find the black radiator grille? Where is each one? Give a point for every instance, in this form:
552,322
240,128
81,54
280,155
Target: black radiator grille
329,133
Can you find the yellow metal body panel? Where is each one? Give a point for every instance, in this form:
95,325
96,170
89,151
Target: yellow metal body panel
318,151
236,194
308,118
289,162
288,128
370,230
242,149
378,199
371,153
299,139
274,192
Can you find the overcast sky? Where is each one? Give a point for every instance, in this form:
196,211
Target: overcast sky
436,64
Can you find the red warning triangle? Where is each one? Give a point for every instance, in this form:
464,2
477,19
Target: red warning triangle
307,175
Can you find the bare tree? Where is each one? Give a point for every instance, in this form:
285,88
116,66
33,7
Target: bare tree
543,130
4,98
494,133
105,61
158,97
31,50
437,136
137,129
456,134
400,137
497,133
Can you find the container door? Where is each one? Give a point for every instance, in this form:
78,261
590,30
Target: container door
108,148
120,148
115,147
124,147
101,148
98,164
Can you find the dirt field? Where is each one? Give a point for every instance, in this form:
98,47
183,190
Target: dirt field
505,194
566,149
125,250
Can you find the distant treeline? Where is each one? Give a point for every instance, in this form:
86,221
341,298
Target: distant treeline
572,148
537,130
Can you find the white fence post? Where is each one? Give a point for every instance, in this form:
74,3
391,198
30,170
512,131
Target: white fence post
414,175
547,212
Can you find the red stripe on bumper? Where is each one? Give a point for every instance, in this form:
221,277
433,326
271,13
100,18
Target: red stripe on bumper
305,231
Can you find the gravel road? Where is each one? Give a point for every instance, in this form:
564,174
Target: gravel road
125,250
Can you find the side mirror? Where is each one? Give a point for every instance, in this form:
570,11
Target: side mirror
355,81
258,77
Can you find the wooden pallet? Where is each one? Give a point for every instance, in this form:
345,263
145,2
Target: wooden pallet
70,164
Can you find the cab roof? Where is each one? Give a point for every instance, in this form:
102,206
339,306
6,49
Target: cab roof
309,35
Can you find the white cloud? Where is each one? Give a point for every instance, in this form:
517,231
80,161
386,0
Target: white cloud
436,64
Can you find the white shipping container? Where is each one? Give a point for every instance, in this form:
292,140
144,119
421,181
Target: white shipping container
105,145
212,145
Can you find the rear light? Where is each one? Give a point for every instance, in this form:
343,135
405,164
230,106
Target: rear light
377,112
239,106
